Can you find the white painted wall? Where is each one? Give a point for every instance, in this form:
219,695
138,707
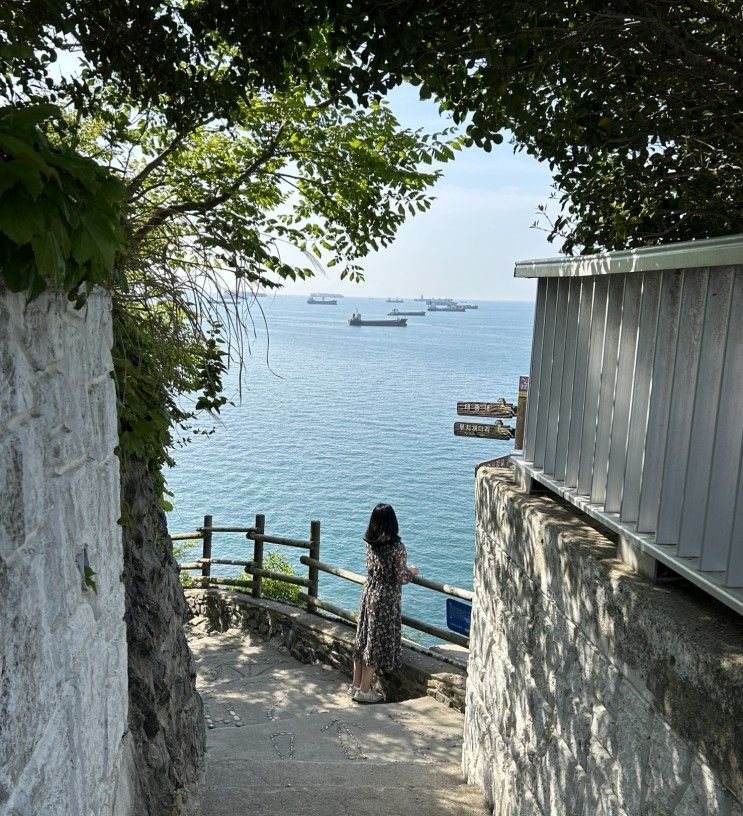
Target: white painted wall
63,657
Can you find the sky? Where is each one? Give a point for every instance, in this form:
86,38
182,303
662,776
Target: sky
466,245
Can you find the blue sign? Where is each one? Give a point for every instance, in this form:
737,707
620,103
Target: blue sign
458,616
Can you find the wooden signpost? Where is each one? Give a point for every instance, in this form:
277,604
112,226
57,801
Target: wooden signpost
521,412
484,430
499,409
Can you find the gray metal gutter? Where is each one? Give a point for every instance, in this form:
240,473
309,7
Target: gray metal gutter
705,254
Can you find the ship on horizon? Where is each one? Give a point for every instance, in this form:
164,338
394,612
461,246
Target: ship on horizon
320,299
398,313
356,320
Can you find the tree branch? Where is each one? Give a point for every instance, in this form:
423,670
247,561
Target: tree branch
162,214
138,180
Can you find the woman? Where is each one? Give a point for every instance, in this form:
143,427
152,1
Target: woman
377,644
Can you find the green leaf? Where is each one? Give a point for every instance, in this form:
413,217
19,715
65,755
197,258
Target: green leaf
16,272
88,574
50,261
101,235
14,172
24,152
28,116
20,219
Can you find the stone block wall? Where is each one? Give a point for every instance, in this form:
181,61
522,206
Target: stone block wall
167,732
63,651
317,639
592,691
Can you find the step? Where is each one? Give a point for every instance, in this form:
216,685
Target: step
420,731
273,788
272,693
285,737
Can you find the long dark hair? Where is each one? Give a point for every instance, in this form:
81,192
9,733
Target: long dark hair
382,529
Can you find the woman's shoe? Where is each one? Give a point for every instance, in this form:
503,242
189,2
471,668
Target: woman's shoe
370,696
352,689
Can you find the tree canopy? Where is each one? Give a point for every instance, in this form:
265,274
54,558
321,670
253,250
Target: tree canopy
635,105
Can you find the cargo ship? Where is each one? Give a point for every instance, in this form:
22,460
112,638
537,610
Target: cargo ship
356,320
398,313
322,300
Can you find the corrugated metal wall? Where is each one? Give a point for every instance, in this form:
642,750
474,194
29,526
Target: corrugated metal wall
636,408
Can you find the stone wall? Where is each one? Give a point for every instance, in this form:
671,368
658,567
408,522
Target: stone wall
63,660
592,691
167,734
317,639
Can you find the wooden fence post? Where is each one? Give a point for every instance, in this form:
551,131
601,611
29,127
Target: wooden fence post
206,549
260,528
313,573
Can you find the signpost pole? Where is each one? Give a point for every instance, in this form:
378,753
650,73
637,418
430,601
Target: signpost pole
521,413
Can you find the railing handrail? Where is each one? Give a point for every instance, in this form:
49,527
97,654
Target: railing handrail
232,562
250,532
413,623
211,529
281,540
255,569
444,589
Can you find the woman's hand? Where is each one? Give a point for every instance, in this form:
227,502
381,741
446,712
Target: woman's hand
413,569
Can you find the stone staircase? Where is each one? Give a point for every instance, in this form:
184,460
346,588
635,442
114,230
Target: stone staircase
285,738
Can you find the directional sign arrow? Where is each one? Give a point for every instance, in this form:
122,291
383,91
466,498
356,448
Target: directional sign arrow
485,431
499,408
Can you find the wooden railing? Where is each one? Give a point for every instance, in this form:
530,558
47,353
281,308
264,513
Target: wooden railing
314,565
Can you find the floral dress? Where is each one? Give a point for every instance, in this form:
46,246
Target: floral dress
378,628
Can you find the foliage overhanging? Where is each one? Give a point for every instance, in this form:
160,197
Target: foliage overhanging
209,203
199,113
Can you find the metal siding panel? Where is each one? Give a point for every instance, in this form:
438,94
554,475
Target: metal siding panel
678,437
579,387
623,392
545,374
706,395
593,386
607,390
660,400
536,362
558,357
568,377
735,563
728,443
640,397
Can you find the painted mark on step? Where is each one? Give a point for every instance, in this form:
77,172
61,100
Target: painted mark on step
349,744
283,744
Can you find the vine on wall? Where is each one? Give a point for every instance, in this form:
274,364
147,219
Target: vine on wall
60,213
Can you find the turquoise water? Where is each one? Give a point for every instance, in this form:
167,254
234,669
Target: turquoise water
334,419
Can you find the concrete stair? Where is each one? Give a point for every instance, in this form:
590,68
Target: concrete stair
285,738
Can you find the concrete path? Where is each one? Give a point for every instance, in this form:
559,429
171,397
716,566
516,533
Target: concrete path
285,738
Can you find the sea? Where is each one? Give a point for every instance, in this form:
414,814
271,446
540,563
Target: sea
327,420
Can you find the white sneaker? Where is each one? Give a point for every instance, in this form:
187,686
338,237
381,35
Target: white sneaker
370,696
352,689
